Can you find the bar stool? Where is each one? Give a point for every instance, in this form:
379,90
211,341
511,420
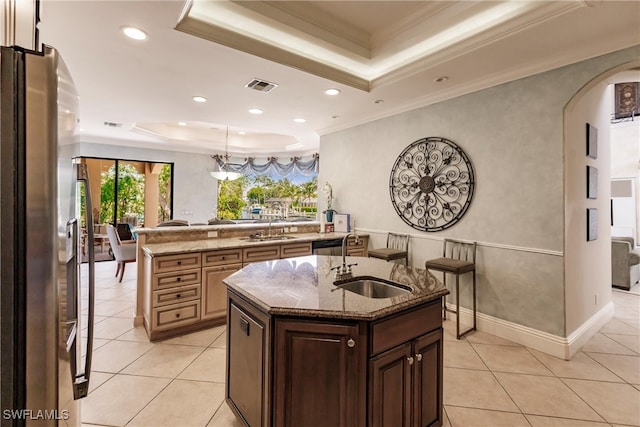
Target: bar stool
397,248
458,258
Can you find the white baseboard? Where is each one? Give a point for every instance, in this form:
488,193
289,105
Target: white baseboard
563,348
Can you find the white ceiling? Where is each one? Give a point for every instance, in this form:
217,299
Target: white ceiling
389,51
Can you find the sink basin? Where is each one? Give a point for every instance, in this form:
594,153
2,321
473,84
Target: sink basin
372,287
267,238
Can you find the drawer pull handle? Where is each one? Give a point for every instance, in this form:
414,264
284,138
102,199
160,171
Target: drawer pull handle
179,279
179,262
419,357
410,359
177,315
222,257
178,296
351,343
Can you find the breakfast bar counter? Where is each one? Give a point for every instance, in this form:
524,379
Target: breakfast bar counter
180,269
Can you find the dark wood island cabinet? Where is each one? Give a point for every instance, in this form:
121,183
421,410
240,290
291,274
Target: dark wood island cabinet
303,352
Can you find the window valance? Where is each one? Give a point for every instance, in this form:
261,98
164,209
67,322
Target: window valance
307,165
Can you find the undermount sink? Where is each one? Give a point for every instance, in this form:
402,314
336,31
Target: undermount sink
372,287
266,238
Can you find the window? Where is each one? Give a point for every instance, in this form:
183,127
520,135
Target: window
130,191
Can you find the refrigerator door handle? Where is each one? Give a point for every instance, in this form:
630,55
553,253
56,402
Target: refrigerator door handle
81,379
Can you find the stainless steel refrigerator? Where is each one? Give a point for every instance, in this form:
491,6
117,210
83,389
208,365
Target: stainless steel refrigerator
46,316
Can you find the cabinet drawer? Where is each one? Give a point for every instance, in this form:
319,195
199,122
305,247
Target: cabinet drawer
176,315
177,278
222,257
260,253
295,249
163,264
174,295
400,329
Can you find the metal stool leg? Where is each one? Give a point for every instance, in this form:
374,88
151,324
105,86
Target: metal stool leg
444,299
460,335
474,300
457,306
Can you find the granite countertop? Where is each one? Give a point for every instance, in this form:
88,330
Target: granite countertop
304,286
178,247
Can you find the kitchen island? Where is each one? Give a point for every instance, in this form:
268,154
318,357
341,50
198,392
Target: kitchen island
302,351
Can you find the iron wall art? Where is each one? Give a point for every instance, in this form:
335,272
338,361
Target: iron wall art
431,184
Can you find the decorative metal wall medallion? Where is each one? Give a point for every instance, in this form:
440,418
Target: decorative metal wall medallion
431,184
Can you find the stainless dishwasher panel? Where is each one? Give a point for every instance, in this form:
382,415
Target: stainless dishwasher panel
246,355
327,247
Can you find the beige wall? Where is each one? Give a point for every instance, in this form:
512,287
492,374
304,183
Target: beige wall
587,283
513,134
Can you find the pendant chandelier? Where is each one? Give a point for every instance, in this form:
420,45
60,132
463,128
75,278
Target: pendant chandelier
222,173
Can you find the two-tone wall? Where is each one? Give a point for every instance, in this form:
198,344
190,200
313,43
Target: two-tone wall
515,136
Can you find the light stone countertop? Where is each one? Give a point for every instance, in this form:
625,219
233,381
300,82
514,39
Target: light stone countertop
304,286
172,248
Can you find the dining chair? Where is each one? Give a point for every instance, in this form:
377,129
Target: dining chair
124,252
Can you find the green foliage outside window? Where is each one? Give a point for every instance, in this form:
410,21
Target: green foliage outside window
230,200
130,192
164,200
235,195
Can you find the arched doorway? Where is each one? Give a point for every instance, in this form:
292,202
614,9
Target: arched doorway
587,266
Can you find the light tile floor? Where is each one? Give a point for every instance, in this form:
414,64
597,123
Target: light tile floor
488,381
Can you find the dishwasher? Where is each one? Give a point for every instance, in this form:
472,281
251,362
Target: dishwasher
327,247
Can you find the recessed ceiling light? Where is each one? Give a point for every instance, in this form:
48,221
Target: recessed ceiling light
182,124
299,120
332,91
378,101
134,33
441,79
200,99
242,132
255,111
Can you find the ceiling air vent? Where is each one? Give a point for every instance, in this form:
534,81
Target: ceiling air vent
113,125
261,85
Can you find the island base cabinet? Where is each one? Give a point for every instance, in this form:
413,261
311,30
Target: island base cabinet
406,384
317,374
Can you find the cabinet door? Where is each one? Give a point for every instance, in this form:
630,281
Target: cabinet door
427,382
316,374
214,292
390,388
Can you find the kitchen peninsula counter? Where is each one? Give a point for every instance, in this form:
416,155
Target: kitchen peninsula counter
303,351
180,269
185,246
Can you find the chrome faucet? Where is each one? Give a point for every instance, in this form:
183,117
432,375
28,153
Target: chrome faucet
344,271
